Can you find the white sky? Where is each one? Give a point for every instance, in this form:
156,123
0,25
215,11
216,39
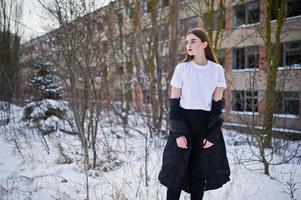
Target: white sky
36,22
33,20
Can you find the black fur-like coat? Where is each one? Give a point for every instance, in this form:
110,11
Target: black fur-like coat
214,160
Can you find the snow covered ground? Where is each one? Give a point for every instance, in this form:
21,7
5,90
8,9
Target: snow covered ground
30,169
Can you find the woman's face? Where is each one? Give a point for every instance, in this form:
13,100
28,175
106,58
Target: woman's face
194,45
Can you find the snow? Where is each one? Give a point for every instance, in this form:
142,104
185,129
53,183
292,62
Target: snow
288,18
34,172
248,25
287,116
246,70
261,127
291,67
42,106
244,112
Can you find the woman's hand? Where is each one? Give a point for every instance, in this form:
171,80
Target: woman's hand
207,144
182,142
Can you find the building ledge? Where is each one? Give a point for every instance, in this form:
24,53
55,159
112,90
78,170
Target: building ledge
292,67
259,127
286,116
244,112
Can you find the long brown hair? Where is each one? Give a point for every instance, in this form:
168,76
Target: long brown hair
209,53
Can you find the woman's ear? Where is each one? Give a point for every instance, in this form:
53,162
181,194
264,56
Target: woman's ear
205,44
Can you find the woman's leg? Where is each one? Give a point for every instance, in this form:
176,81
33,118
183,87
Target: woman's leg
197,121
197,193
173,195
196,176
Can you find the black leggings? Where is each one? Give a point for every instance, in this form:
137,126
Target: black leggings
196,121
175,195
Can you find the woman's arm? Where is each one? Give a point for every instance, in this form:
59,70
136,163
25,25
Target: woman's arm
175,92
218,93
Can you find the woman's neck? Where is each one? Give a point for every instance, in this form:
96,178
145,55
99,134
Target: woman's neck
200,59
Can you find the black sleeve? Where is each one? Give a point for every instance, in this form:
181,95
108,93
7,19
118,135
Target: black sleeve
177,125
215,122
215,131
216,107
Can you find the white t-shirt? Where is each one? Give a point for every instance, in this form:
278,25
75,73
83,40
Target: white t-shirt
197,83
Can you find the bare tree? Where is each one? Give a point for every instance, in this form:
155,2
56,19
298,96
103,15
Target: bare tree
137,46
82,68
148,27
272,53
10,14
119,39
281,152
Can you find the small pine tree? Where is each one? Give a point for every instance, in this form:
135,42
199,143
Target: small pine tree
46,107
44,80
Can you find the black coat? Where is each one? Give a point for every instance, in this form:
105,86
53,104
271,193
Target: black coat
214,161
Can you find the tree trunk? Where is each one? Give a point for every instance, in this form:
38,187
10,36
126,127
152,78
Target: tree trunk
273,58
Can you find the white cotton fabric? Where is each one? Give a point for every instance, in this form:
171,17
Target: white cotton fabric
197,83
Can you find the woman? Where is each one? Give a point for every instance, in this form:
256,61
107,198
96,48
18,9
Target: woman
194,158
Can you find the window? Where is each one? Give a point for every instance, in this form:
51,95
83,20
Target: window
145,6
117,42
119,17
216,20
129,66
188,24
54,41
163,34
104,44
95,71
292,8
287,103
129,41
244,58
119,68
146,96
146,35
164,3
221,57
292,53
248,13
145,69
118,95
162,64
245,101
130,11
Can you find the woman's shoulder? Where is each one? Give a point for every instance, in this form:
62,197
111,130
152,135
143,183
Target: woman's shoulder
181,66
217,66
